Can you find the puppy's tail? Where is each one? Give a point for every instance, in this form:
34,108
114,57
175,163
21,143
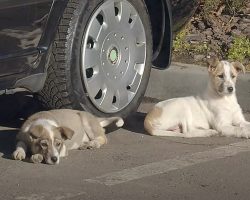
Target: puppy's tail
104,122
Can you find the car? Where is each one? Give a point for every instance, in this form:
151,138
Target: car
93,55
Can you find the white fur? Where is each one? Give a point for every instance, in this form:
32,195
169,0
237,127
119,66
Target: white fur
106,121
200,116
63,152
52,137
228,82
120,123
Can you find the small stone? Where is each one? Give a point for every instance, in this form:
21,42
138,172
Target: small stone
247,33
199,57
236,32
216,30
225,18
209,37
217,36
208,32
193,37
201,25
242,26
245,20
247,11
235,20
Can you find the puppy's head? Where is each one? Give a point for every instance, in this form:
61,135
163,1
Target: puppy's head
49,141
223,75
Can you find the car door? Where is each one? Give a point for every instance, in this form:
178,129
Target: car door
22,23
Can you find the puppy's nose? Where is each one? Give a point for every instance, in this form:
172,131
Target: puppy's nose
230,89
54,159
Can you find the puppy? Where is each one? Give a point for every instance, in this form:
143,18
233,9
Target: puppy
48,135
215,111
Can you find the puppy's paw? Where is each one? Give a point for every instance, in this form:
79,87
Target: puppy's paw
120,123
36,158
84,146
19,154
94,144
90,145
243,132
246,135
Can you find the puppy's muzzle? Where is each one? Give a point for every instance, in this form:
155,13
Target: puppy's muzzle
52,160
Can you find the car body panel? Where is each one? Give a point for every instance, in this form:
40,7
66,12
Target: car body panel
28,27
167,18
22,24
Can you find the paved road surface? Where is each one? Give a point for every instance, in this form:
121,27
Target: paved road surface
134,165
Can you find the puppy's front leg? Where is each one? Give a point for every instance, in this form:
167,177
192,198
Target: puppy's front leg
239,120
245,124
236,131
20,152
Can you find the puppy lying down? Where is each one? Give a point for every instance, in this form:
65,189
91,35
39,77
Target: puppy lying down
48,135
213,112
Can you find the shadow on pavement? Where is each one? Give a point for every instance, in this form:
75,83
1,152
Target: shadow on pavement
7,142
135,123
17,106
14,109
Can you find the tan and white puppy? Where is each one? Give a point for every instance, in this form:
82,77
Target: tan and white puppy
215,111
48,135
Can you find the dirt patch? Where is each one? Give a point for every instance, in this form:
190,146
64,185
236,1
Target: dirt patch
222,32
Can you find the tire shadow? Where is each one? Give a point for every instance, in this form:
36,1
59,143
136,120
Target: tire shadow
7,142
14,109
135,123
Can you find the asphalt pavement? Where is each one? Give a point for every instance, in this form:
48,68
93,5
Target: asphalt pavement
134,165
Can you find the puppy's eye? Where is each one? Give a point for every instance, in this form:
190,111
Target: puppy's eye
221,76
233,76
44,144
58,143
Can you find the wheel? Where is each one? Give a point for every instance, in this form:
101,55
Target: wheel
101,57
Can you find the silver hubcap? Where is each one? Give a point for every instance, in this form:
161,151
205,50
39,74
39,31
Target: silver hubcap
114,55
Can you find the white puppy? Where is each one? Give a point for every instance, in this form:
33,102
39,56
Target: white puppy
216,111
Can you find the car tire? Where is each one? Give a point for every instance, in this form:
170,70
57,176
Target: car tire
67,83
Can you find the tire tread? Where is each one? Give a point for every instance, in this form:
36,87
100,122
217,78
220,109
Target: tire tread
55,92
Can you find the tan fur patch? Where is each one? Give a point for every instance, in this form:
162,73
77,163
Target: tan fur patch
153,115
239,67
214,76
212,63
63,132
39,132
102,140
219,69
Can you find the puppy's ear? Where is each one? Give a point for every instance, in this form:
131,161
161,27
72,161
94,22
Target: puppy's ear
36,131
212,62
239,67
66,132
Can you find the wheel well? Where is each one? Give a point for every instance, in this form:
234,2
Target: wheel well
160,16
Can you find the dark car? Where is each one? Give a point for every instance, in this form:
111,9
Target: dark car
87,54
